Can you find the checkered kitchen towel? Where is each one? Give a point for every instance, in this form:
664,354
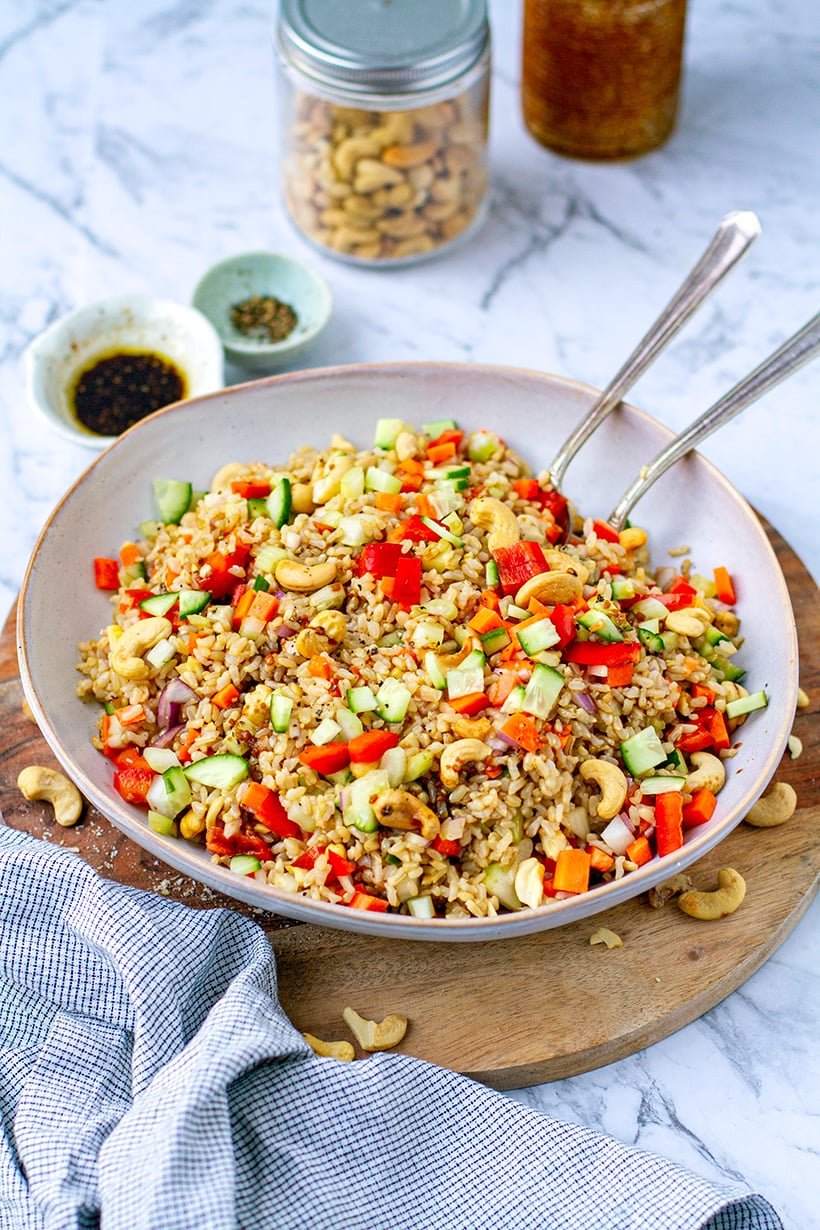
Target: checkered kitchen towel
149,1080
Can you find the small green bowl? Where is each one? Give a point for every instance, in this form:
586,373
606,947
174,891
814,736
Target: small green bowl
264,273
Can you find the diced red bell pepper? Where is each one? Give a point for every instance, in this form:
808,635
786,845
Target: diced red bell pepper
517,563
407,587
331,758
680,585
719,731
668,822
132,778
237,843
414,530
371,746
133,597
220,581
267,809
250,490
699,809
448,437
695,741
553,502
338,866
620,676
677,600
448,849
605,531
563,620
592,653
364,901
379,559
471,704
106,573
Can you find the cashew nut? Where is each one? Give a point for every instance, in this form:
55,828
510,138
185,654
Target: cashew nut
709,773
561,561
632,538
223,478
727,623
604,936
803,701
551,588
27,714
325,631
450,661
126,655
502,523
472,728
348,153
612,783
327,476
376,1035
406,156
725,899
330,1050
399,809
372,175
691,621
301,497
529,882
302,578
456,755
776,806
38,782
662,893
406,446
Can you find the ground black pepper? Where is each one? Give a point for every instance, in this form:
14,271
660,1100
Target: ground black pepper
119,389
264,317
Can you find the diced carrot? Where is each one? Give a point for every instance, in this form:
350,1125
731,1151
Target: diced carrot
389,503
364,901
526,488
243,606
599,859
411,482
484,620
425,507
471,704
411,465
191,736
512,653
452,436
700,808
130,715
719,731
193,637
171,575
255,796
724,587
371,745
250,490
441,452
263,605
492,770
501,684
319,667
388,584
523,731
327,759
572,869
639,851
700,691
226,696
620,676
129,554
535,607
491,599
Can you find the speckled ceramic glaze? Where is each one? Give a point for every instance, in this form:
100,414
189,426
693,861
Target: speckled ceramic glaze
692,505
264,273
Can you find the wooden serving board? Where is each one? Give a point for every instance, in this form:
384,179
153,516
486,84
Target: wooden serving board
520,1011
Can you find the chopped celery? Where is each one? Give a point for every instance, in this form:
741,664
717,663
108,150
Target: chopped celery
747,704
245,864
380,480
542,691
387,432
352,485
361,700
417,765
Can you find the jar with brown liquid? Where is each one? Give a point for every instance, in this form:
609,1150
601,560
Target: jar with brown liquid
601,78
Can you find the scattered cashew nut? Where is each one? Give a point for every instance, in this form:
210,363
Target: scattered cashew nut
727,623
632,538
38,782
450,661
723,900
376,1035
399,809
303,578
691,621
803,701
612,783
776,806
126,655
529,882
330,1050
301,497
604,936
472,728
502,523
325,631
456,755
223,478
562,561
550,588
709,773
27,714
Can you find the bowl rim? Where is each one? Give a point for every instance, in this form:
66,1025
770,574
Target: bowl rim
398,926
254,347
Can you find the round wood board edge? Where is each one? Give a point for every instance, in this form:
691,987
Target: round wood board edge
522,1011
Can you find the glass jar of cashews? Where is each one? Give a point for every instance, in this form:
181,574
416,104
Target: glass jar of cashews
384,107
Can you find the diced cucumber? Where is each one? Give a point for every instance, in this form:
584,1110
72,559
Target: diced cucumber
159,604
474,659
421,907
670,641
394,763
747,704
257,507
134,572
150,529
726,670
518,612
427,634
352,484
387,432
438,427
349,725
161,653
165,826
379,480
443,532
354,531
434,672
650,608
482,445
542,691
714,636
515,699
245,864
643,751
192,601
261,583
676,764
281,707
452,484
537,637
662,784
651,625
279,503
390,639
393,699
599,624
463,682
268,557
224,771
109,707
173,499
325,732
196,496
458,472
177,789
361,700
623,588
491,577
417,765
495,640
500,882
651,641
160,758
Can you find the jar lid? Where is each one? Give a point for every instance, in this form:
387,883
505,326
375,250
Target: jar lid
383,46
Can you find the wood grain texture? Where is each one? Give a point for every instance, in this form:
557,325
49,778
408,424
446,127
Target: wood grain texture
520,1011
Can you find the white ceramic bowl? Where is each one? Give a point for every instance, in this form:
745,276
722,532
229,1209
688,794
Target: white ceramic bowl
693,504
55,358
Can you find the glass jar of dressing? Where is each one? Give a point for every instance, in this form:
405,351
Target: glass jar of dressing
384,113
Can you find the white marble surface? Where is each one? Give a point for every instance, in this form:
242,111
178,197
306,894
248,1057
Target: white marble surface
141,147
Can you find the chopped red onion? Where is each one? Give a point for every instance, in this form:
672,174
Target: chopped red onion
284,631
167,737
171,699
500,742
585,701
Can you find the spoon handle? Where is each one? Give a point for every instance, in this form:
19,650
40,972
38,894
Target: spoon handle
799,349
734,235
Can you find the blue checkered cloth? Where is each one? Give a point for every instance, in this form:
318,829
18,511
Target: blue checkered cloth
149,1080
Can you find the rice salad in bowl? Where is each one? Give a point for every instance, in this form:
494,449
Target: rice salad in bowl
407,678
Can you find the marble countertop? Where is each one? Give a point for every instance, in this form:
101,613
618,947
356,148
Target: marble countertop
142,147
